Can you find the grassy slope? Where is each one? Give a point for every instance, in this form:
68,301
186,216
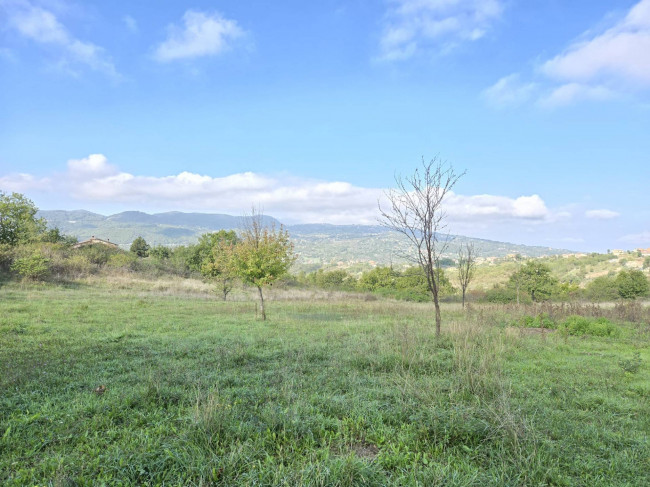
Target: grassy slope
579,270
325,393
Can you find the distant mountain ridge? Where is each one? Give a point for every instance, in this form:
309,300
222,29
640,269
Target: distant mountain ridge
317,244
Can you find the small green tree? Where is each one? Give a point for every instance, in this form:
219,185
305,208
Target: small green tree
140,247
34,267
535,279
632,284
646,263
603,288
18,222
217,264
378,278
160,252
262,256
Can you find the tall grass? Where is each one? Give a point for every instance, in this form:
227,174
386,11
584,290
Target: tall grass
339,392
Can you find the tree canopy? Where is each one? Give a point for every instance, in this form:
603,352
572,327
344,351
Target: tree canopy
216,253
18,222
263,255
534,278
140,247
632,284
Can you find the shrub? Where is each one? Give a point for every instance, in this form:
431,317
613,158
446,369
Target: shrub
34,267
140,247
122,261
602,288
6,257
506,294
77,265
542,320
98,254
631,365
580,326
160,252
632,284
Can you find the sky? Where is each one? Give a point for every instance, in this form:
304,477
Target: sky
310,110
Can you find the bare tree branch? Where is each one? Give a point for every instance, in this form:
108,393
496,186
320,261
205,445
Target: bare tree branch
465,266
415,210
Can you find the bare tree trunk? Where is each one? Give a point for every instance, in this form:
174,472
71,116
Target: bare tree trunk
415,210
259,288
463,298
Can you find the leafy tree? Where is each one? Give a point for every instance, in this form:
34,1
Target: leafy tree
535,279
54,235
646,263
202,251
217,264
378,278
632,284
334,279
18,222
140,247
160,252
603,288
412,285
262,256
503,294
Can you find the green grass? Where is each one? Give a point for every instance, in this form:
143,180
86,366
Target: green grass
345,393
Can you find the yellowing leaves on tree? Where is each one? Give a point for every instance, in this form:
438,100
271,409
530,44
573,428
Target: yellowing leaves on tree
263,255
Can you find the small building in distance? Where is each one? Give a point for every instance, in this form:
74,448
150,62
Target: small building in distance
644,252
94,241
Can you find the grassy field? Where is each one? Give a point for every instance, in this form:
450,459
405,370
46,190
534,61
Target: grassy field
337,393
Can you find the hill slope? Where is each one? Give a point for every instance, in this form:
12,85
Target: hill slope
318,245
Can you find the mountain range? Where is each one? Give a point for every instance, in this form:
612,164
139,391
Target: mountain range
317,244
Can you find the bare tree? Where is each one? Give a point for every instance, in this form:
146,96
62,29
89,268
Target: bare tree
466,264
415,210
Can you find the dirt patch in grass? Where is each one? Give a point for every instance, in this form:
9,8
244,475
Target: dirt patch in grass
365,450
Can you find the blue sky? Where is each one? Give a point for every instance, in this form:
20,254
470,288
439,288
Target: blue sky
309,109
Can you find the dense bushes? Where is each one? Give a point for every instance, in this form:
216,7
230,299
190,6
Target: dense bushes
572,325
627,284
581,325
409,284
34,266
60,261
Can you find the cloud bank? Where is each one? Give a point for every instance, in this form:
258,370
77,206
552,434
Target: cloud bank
94,179
599,66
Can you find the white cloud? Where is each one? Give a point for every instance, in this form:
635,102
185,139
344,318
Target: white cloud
43,27
93,179
509,91
601,66
531,208
642,238
416,25
574,92
602,214
202,35
21,182
620,54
